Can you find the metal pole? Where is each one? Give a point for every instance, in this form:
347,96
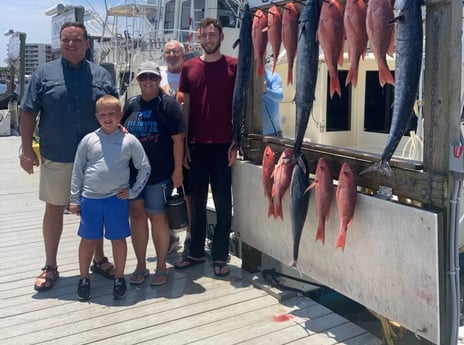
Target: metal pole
22,62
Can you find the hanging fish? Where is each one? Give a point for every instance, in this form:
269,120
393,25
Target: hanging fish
346,202
290,36
324,196
356,34
282,176
268,180
274,33
331,37
408,69
259,37
307,63
299,201
243,77
381,34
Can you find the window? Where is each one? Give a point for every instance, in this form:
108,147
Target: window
227,12
339,109
378,106
169,17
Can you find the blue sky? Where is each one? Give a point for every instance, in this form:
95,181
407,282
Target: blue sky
29,16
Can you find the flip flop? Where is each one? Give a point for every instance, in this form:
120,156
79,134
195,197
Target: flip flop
190,262
218,266
162,276
138,277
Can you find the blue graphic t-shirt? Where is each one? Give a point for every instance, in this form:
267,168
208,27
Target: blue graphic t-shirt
153,123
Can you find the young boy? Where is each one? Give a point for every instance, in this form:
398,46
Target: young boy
100,191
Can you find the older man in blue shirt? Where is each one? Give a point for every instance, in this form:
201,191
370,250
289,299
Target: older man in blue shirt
272,96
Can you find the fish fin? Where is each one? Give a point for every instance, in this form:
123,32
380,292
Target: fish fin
341,241
278,210
381,167
386,77
335,86
340,56
290,75
391,46
311,185
294,264
320,234
260,68
270,210
352,76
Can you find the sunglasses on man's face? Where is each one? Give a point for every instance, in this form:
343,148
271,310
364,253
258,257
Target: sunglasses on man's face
147,76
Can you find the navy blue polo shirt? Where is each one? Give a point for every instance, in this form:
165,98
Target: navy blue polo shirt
65,96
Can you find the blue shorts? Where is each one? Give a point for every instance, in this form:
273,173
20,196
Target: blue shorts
153,197
108,217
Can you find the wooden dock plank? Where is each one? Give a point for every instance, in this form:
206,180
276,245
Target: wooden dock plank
194,307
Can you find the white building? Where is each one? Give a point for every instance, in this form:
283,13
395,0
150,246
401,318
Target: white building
35,55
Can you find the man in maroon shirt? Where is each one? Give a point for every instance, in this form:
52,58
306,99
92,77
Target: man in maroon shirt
207,83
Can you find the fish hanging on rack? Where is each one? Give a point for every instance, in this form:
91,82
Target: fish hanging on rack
299,202
259,36
346,202
354,21
290,36
323,184
274,33
331,36
243,77
307,64
381,34
268,165
408,69
282,177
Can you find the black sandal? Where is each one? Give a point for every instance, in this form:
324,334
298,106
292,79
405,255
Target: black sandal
49,275
188,262
218,266
97,267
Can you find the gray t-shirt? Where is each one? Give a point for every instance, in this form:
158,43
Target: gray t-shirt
101,166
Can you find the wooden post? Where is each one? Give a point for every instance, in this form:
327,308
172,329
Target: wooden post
442,110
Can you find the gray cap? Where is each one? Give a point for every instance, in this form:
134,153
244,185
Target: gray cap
149,67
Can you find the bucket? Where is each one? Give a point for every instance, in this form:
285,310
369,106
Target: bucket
176,210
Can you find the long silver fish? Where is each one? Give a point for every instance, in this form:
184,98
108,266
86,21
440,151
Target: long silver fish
242,80
409,37
307,59
299,202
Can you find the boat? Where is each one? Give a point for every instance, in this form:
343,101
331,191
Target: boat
132,33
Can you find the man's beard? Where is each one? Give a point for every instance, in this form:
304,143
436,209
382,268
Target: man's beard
212,50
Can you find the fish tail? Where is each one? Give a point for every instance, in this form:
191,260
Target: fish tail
270,210
290,75
386,77
278,210
294,264
320,233
335,86
260,68
381,167
341,241
352,76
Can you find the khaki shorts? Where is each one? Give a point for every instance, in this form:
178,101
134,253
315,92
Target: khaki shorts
55,182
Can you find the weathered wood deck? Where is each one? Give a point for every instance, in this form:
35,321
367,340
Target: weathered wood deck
193,308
